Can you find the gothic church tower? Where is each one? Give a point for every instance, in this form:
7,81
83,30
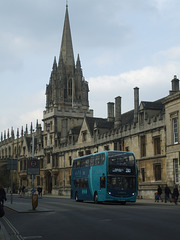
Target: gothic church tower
67,87
66,94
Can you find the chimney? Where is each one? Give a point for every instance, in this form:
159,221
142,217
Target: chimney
110,111
175,85
136,104
117,111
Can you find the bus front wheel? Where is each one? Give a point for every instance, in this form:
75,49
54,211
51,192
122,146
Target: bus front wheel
95,197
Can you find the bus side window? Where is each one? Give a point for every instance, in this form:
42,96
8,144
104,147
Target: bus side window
78,163
91,161
87,162
102,158
97,159
102,182
83,162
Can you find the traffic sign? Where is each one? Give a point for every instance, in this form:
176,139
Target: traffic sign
33,163
33,166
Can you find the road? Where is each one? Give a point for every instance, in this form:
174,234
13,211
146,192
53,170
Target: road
67,219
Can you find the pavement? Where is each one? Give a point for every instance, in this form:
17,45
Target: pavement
25,207
22,207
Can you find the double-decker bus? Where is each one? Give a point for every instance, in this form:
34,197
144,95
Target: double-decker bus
105,176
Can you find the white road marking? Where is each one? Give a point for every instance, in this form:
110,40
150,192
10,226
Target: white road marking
14,230
33,237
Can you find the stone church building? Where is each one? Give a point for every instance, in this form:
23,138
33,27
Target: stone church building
151,130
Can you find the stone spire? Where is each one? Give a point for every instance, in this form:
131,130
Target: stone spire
37,124
67,87
78,66
22,132
17,132
12,132
4,134
31,128
8,135
26,131
66,52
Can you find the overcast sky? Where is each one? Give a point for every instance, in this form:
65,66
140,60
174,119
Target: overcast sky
122,45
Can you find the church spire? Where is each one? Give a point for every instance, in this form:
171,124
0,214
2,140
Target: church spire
66,52
66,83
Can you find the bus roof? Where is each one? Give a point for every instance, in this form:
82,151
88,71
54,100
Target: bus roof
106,151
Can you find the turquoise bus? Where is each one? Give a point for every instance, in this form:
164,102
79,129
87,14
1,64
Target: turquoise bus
105,176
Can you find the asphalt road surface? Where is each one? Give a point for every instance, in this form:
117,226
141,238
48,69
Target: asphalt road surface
66,219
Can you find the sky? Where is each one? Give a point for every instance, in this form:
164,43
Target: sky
122,45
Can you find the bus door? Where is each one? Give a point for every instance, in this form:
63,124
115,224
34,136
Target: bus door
102,182
97,181
102,191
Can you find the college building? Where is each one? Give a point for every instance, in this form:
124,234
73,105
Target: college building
151,131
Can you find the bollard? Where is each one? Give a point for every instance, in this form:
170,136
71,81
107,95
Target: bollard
34,201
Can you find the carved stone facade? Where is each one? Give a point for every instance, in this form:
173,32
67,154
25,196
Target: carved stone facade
151,130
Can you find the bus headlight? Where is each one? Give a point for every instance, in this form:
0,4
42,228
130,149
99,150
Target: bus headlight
109,193
133,194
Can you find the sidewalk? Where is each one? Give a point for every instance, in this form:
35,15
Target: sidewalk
20,207
26,207
152,201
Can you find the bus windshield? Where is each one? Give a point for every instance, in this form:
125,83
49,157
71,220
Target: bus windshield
121,163
123,183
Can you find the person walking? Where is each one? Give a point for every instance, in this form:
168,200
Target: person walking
159,190
167,192
23,190
39,189
175,194
2,195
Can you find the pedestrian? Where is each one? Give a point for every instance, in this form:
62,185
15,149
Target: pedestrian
159,190
167,192
175,194
1,211
23,190
156,197
39,189
2,195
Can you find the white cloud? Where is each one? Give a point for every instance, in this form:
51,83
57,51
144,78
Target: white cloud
29,117
154,82
29,109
